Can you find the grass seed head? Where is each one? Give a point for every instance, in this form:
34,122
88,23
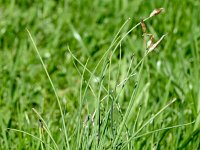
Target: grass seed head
144,29
156,12
151,48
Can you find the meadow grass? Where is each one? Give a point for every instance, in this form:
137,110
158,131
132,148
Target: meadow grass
80,75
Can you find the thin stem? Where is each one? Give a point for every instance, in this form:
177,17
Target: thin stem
52,85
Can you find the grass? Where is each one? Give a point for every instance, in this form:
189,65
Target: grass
81,77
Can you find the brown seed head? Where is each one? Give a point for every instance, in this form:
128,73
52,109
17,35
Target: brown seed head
156,12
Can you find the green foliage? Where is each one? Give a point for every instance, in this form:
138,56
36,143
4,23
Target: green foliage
113,95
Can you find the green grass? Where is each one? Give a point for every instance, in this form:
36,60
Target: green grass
76,75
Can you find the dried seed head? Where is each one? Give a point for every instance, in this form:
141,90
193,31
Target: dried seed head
144,29
156,12
150,42
156,44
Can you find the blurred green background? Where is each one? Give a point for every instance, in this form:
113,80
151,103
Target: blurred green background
88,28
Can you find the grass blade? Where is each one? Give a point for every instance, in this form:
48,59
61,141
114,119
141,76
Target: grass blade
52,85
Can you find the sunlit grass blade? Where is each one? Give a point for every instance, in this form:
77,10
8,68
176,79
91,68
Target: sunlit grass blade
46,127
152,118
157,130
33,136
52,85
